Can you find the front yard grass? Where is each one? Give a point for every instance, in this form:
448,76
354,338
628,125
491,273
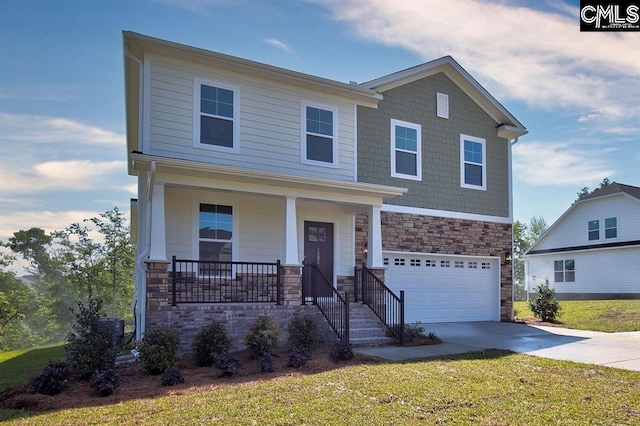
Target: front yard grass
596,315
493,387
18,366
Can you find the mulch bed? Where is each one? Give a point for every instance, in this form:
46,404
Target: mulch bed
536,321
135,385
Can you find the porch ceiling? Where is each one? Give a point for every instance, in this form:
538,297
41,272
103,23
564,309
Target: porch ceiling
207,175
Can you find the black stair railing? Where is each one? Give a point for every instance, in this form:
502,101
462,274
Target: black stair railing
387,306
321,292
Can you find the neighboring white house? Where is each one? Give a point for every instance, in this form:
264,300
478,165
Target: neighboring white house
593,250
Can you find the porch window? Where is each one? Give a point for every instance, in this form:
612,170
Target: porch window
215,123
564,271
215,235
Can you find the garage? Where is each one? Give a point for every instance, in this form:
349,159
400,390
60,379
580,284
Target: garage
442,288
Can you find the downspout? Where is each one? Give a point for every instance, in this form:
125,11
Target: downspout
513,282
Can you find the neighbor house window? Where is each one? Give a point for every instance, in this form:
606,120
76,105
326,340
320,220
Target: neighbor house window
406,150
319,141
215,116
611,227
215,235
564,271
473,170
594,230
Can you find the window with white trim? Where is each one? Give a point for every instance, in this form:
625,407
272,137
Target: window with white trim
473,168
215,123
215,233
564,271
594,230
406,150
611,227
319,140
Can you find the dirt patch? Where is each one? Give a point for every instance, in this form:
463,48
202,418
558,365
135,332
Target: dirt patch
536,321
135,385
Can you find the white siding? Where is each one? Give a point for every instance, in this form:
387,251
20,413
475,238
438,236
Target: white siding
270,121
573,231
597,271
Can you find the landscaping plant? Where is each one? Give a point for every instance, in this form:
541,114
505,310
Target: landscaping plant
209,342
299,356
172,377
545,305
341,351
53,379
303,331
228,364
262,336
158,350
104,383
265,362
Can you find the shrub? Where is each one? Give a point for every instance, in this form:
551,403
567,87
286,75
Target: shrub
172,377
104,383
265,362
303,331
209,342
299,356
228,364
53,379
413,332
89,346
341,351
262,336
544,305
158,350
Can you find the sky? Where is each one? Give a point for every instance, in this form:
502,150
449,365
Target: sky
62,122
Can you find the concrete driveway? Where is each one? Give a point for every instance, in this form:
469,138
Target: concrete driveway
619,350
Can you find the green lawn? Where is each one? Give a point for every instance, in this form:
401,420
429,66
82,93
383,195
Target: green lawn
596,315
492,388
18,366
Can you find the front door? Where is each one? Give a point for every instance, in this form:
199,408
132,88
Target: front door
318,250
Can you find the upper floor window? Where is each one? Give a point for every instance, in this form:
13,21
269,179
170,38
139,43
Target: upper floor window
473,169
594,230
215,123
611,227
564,271
319,141
406,150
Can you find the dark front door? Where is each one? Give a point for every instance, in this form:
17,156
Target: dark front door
318,250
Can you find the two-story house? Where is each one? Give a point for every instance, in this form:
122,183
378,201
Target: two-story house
593,250
249,174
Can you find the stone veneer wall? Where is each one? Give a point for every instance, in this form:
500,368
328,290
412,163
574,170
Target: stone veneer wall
438,235
188,319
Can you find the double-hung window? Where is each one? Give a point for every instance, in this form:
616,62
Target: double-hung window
215,237
406,150
215,123
611,227
319,140
564,271
594,230
473,167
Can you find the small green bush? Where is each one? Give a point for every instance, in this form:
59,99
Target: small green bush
158,350
89,346
228,364
413,332
303,331
341,351
262,336
265,362
299,356
172,377
545,305
209,342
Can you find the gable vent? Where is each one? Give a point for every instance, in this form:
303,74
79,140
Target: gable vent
442,105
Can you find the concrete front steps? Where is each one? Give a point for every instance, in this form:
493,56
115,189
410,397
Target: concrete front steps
365,329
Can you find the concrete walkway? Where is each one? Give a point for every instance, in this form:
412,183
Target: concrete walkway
619,350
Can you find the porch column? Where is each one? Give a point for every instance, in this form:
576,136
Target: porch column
291,233
158,247
374,245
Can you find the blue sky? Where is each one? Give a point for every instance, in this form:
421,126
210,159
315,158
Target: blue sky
61,85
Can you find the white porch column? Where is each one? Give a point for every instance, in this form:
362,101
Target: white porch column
158,247
291,233
374,245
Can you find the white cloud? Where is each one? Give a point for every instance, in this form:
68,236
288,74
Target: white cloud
535,56
588,117
553,164
70,175
278,44
47,220
18,128
131,189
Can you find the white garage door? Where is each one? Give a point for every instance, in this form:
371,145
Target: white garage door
445,288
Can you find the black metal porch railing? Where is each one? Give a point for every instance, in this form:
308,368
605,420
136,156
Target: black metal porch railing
199,281
388,307
332,304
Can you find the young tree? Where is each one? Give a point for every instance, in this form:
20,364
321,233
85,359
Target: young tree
524,235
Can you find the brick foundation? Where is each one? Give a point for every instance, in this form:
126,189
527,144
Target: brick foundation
428,234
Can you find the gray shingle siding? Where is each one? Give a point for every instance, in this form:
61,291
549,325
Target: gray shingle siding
440,186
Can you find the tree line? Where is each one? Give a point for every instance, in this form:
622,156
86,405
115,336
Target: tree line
94,258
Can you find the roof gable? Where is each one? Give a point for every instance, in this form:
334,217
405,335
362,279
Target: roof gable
508,125
614,188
